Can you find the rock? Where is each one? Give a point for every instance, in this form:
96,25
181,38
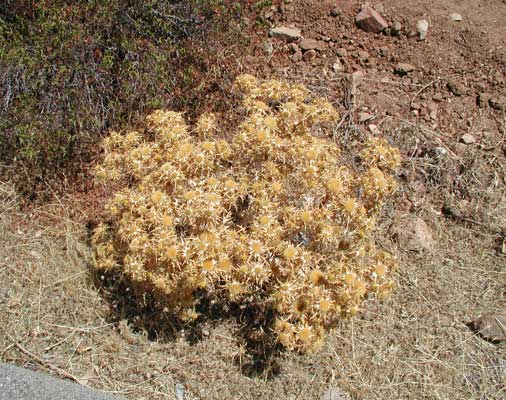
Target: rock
467,138
437,98
363,56
374,130
460,149
384,51
456,17
297,56
456,87
413,234
498,78
356,79
403,69
335,394
396,28
293,48
415,106
379,8
484,99
387,31
337,67
422,26
491,327
267,48
311,44
363,116
369,20
285,33
342,52
335,12
309,55
498,102
433,111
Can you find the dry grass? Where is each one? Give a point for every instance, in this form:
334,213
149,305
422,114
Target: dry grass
416,345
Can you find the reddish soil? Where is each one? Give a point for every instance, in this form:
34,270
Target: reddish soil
471,52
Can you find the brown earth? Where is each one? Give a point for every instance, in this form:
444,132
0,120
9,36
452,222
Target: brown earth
417,344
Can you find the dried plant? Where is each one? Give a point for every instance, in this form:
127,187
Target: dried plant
269,214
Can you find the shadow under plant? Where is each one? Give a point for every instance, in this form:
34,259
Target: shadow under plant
144,312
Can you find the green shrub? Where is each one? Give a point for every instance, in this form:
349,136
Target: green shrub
71,70
267,213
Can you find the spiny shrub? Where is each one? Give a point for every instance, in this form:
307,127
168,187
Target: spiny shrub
266,214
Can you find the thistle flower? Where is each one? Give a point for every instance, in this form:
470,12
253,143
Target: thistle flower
171,253
156,197
325,305
317,277
289,252
305,334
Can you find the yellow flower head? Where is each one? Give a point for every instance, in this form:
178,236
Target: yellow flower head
167,220
156,197
171,253
189,195
290,252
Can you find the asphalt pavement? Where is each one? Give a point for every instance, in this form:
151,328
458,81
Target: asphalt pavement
23,384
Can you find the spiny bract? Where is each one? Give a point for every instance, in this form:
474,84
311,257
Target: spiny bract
269,214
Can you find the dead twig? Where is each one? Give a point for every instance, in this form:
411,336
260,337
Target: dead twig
428,85
40,361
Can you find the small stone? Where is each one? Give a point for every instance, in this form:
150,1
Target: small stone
456,17
460,149
356,79
311,44
335,394
369,20
415,106
456,87
422,26
467,138
491,327
411,34
293,48
285,33
403,69
413,234
363,56
498,78
297,56
335,12
342,52
384,51
498,103
379,8
337,67
363,116
437,98
267,48
396,28
309,55
387,31
433,113
374,130
484,99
